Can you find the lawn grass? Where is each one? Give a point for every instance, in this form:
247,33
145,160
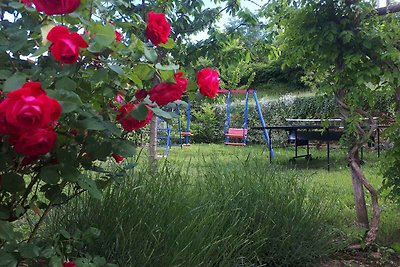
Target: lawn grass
336,183
216,205
274,90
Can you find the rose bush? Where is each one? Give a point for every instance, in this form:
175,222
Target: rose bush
59,123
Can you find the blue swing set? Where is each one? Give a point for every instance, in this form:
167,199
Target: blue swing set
166,130
239,135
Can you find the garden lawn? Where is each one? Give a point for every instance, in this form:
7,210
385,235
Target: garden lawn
336,183
214,205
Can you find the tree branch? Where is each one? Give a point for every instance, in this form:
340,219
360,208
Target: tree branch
393,8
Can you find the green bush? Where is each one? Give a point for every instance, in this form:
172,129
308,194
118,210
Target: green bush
234,214
275,112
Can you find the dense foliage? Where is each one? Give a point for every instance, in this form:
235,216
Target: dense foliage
207,122
77,79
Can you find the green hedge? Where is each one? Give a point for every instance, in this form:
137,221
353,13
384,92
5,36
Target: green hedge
207,122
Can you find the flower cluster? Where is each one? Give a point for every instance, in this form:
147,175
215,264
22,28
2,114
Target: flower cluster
27,115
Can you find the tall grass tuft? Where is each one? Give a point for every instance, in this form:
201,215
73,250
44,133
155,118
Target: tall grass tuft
237,214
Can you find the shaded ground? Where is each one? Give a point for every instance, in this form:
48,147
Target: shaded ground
384,258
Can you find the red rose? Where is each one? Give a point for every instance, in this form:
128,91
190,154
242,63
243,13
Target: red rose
65,45
164,93
28,160
181,81
208,82
118,158
128,122
56,7
68,264
158,28
140,94
36,142
28,108
118,36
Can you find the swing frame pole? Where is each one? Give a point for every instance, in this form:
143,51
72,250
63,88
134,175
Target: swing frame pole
245,117
265,132
228,116
187,123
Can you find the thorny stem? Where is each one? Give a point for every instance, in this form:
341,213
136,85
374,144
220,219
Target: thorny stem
38,224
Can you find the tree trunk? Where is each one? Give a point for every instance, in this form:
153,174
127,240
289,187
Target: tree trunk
358,178
153,144
398,98
359,198
356,170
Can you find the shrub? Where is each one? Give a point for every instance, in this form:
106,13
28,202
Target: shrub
220,214
275,112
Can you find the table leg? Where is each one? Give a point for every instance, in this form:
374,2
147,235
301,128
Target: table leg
328,154
379,142
270,145
295,143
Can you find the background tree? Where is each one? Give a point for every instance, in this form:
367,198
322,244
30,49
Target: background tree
350,50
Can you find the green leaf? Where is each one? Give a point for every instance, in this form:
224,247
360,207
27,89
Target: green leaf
99,261
169,67
93,123
4,74
29,251
168,45
55,261
16,5
66,84
13,183
144,72
124,148
44,31
140,112
15,81
90,186
7,259
163,114
98,150
6,231
54,193
68,100
40,51
134,78
50,174
151,54
100,75
167,75
47,252
104,35
83,262
116,68
65,234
